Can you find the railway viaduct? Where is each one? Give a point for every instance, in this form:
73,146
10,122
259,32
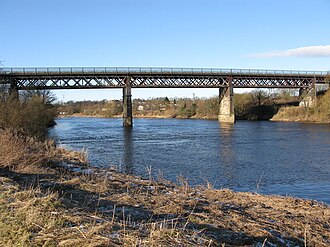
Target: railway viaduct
225,80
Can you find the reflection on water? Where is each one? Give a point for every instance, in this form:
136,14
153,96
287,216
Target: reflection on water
226,136
273,158
227,152
128,152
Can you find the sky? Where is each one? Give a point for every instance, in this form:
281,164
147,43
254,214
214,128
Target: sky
262,34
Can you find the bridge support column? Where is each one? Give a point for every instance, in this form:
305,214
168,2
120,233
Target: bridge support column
307,96
226,110
302,92
127,104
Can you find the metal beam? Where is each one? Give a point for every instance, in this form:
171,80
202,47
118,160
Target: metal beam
89,78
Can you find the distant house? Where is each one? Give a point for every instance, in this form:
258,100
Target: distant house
140,108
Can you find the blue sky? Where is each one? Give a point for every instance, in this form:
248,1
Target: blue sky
265,34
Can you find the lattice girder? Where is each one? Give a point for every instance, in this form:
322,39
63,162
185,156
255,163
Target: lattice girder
46,78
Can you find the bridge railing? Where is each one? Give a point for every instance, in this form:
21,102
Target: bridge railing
155,70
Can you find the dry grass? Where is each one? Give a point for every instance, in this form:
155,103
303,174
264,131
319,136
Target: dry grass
107,208
294,113
24,154
34,218
17,152
319,113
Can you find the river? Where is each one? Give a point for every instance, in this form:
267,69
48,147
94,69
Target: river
264,157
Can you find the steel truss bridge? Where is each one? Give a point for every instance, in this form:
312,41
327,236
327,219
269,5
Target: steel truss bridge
127,78
120,77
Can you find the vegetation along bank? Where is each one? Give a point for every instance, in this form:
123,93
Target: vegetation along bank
278,105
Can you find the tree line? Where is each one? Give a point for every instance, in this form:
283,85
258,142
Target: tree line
254,105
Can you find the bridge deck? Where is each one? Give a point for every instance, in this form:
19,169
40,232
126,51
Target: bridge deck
115,77
156,70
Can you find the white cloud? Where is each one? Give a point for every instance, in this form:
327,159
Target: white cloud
307,51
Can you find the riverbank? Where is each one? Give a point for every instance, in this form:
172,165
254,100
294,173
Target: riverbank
138,115
299,114
50,196
285,114
256,105
319,113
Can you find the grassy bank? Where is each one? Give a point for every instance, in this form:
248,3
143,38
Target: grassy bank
50,197
299,114
320,113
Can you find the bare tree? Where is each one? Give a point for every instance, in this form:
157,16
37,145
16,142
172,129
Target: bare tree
258,97
48,97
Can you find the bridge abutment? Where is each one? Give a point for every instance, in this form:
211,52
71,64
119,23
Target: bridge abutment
127,104
226,108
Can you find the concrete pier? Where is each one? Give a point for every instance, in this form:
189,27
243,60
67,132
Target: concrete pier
307,96
226,110
127,104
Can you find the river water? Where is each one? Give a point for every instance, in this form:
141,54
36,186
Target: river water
264,157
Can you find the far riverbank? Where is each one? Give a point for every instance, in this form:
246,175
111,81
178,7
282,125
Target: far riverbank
139,116
302,115
282,116
255,105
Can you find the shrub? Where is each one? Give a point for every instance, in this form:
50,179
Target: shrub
31,116
323,108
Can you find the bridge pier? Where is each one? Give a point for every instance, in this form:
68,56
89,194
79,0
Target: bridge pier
308,96
303,92
226,110
127,104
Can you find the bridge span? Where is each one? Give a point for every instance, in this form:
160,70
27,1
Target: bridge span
142,77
